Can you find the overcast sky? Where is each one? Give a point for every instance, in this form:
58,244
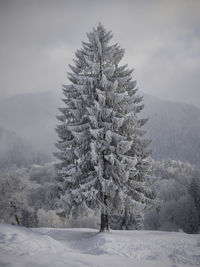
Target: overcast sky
161,41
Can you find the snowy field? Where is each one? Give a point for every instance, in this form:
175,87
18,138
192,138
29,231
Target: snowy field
42,247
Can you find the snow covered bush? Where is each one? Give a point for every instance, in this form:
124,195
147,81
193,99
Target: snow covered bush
45,192
48,218
14,207
24,191
177,187
104,159
92,220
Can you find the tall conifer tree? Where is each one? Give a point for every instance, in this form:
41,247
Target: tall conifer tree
104,160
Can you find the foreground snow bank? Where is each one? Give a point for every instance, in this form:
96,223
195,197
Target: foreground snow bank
20,247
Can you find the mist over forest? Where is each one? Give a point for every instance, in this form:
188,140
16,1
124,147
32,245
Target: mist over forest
173,127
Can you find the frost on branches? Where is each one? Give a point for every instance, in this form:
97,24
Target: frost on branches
104,160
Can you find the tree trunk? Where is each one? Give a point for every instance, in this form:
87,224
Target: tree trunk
104,217
104,223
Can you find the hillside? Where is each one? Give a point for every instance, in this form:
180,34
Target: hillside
173,127
20,247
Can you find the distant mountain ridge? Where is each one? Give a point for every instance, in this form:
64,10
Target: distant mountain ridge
173,127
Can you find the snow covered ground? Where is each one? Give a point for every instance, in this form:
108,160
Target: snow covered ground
42,247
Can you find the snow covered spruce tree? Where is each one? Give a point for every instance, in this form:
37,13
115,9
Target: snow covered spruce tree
104,161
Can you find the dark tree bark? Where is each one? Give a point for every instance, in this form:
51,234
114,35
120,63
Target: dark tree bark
17,220
104,218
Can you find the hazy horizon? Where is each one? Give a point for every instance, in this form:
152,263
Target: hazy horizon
59,94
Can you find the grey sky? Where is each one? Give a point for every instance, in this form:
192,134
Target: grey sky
161,40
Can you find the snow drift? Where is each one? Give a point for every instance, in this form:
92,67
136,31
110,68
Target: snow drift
20,247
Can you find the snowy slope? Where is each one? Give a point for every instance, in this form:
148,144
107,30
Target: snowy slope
20,247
